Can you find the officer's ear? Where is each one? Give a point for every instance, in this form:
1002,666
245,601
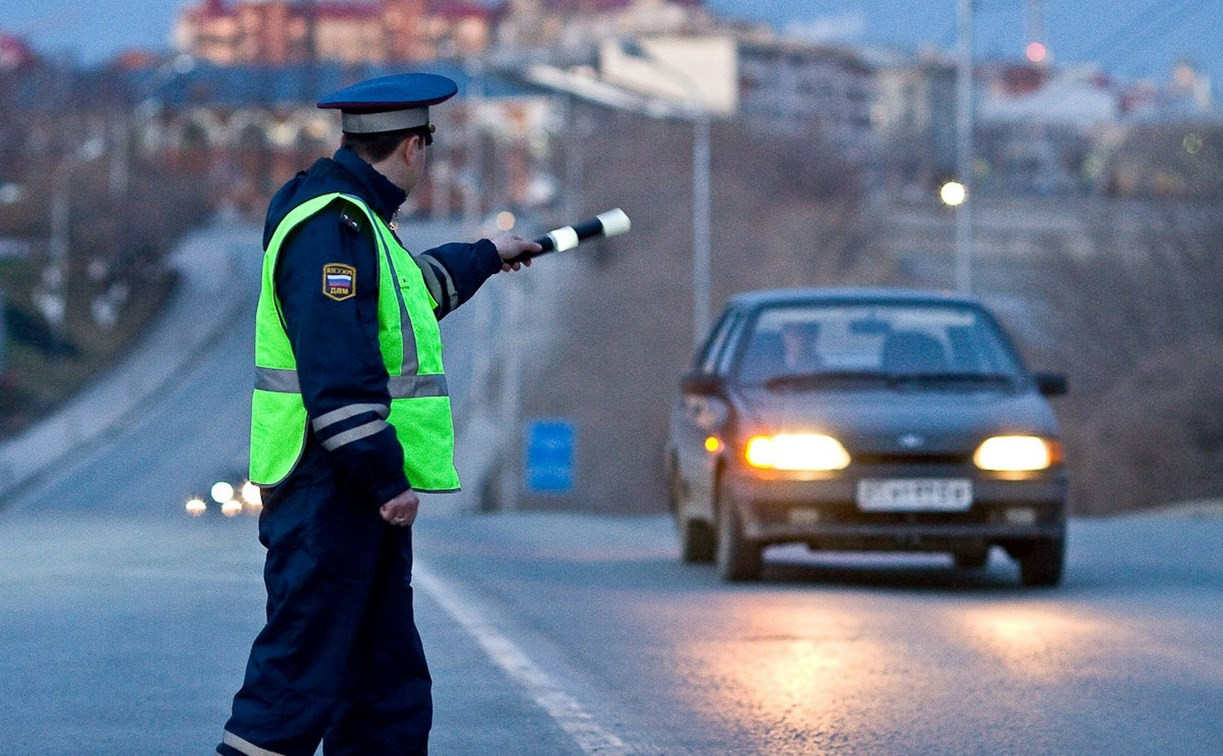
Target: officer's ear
412,148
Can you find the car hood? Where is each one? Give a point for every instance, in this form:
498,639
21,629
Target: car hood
908,421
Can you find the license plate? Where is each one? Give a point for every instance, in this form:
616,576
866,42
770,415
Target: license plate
915,495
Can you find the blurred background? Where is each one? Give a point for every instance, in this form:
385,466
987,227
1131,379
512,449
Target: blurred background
754,145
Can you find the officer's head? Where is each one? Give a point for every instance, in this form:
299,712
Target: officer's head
386,121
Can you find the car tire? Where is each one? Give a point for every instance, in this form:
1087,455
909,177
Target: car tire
738,557
971,559
698,544
1041,563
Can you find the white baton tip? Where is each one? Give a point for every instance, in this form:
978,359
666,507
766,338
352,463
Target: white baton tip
614,222
564,238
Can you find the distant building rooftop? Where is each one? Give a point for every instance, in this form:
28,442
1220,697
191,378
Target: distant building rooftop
295,84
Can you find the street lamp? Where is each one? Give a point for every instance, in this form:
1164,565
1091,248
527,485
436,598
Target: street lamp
701,196
953,194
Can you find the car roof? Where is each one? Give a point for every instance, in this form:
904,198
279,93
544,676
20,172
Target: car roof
849,295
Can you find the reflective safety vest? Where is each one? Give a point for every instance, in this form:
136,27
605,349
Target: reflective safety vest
411,347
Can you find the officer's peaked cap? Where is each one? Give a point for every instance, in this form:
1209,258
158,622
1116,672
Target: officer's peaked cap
389,103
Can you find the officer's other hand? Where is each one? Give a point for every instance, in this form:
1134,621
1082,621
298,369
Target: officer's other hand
402,509
510,246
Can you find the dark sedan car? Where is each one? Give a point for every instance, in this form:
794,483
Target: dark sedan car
866,420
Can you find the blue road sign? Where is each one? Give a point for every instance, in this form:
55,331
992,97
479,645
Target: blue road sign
550,455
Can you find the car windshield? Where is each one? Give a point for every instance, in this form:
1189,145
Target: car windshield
834,345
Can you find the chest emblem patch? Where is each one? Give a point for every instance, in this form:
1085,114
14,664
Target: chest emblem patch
339,281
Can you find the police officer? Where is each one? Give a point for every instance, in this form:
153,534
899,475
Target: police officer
350,418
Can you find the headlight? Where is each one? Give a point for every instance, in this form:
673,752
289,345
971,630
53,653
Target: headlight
1017,454
797,451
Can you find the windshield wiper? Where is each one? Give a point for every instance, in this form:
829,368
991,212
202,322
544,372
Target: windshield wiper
820,377
824,377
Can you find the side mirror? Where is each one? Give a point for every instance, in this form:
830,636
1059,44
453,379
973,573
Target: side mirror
700,383
1051,384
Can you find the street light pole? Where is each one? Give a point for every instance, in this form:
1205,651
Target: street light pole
472,206
128,125
54,301
701,225
702,201
964,126
60,213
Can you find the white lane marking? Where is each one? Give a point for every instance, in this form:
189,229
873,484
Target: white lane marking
591,737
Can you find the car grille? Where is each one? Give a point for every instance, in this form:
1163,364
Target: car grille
906,458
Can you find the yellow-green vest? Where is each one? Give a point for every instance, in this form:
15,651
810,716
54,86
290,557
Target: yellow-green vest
411,347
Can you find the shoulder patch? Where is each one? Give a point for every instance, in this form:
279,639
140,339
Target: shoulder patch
339,281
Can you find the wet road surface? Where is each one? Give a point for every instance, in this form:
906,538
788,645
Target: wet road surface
124,624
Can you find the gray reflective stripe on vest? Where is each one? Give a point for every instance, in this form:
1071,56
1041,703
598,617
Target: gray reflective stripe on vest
352,410
411,360
405,386
245,746
281,381
277,380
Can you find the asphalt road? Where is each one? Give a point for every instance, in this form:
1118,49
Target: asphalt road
124,624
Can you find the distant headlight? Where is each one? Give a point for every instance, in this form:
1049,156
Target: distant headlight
1017,454
222,492
797,451
251,495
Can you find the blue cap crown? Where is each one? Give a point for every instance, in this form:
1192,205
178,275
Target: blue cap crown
389,103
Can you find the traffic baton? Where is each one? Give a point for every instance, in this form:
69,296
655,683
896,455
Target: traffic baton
611,223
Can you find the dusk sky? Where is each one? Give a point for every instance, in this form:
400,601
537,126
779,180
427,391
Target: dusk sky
1131,38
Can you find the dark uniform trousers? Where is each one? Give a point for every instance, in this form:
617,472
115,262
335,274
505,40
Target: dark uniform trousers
340,658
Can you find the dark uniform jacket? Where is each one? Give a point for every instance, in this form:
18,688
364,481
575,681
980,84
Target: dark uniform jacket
339,363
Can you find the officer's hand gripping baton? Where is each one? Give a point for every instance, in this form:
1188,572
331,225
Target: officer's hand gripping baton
611,223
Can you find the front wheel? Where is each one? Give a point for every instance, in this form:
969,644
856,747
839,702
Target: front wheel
738,557
1041,562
